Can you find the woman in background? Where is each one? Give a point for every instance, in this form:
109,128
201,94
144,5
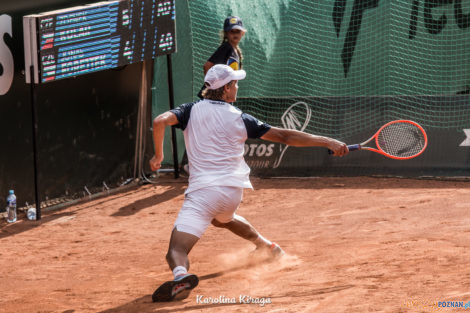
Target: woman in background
228,52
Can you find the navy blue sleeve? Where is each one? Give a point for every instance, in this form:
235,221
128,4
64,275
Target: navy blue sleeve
183,113
221,55
254,127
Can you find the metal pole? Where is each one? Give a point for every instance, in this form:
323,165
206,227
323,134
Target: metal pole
35,148
138,137
142,109
172,106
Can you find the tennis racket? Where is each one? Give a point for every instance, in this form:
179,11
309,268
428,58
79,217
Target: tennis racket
400,140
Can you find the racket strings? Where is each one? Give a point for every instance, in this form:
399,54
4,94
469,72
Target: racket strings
401,140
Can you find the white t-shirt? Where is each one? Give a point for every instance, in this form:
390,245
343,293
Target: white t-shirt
215,133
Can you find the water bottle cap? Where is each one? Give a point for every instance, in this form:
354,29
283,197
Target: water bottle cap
11,192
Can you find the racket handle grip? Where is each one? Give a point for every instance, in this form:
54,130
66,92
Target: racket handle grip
350,147
354,147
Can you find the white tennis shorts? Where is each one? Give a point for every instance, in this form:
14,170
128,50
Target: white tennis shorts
202,205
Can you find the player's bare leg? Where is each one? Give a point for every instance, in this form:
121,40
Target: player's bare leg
241,227
181,244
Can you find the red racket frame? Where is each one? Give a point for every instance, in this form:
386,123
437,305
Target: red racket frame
379,150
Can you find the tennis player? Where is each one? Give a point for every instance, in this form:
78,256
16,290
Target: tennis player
214,134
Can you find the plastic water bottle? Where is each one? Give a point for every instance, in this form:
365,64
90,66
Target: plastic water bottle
11,207
31,214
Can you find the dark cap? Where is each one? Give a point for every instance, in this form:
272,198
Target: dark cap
233,22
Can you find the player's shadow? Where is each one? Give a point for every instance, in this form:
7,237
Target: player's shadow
136,206
145,304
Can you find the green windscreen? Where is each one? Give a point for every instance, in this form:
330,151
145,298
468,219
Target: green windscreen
340,68
342,48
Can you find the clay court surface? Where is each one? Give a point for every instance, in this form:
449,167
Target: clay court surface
352,244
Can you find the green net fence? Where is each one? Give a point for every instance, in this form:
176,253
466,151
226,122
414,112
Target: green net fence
340,68
342,48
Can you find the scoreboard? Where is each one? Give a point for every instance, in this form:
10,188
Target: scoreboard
99,36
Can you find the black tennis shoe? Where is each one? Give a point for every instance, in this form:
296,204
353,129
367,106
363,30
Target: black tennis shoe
177,289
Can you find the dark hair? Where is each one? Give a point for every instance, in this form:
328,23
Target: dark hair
214,94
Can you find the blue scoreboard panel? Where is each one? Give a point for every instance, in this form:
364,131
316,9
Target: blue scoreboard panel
104,35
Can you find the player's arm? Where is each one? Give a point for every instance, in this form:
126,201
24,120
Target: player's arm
159,124
297,138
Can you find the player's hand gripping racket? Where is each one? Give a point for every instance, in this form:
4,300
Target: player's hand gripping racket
399,140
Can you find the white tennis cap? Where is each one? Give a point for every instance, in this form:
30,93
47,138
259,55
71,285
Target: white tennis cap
220,74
